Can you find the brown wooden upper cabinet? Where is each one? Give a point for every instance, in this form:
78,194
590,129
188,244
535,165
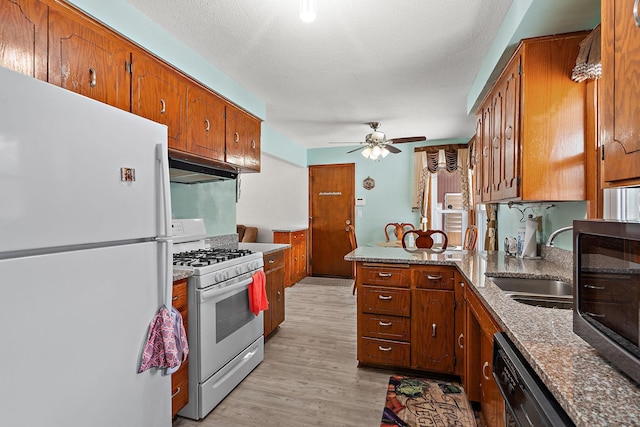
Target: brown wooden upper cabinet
23,37
620,89
242,139
159,94
85,58
205,123
530,127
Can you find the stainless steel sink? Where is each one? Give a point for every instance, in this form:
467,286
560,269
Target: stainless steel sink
538,292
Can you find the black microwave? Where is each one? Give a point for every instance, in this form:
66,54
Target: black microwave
607,290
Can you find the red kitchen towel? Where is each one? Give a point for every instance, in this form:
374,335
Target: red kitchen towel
258,293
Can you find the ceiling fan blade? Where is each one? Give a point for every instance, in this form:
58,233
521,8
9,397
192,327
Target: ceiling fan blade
408,139
392,149
344,142
357,149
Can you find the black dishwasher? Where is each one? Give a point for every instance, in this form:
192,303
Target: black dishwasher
528,402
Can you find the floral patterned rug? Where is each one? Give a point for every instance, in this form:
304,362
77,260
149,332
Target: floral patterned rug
417,402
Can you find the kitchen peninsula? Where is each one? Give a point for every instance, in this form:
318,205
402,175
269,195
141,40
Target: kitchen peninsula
590,390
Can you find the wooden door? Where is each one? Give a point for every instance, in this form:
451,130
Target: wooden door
205,123
234,141
510,171
23,37
331,209
86,59
620,130
159,94
432,322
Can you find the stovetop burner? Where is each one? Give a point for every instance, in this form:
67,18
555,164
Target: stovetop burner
210,256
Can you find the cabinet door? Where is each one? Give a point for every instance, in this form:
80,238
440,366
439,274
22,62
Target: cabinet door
23,37
510,151
252,149
460,326
205,123
159,94
86,59
477,160
491,400
497,106
276,303
235,136
485,154
621,86
432,322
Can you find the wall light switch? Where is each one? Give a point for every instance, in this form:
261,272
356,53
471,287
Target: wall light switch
359,213
360,201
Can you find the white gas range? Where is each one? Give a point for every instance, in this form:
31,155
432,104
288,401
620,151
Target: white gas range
225,337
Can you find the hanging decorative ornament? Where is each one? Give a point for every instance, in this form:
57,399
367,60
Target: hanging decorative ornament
368,183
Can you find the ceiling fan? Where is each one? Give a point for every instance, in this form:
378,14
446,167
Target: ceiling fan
376,143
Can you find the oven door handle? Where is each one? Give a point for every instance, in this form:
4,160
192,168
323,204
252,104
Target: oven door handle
216,292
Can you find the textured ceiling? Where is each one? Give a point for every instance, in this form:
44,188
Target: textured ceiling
408,64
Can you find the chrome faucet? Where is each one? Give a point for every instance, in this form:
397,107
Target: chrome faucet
555,233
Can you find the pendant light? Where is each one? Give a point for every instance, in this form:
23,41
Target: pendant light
308,10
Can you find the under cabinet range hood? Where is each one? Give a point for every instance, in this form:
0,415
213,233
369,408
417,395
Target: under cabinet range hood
193,172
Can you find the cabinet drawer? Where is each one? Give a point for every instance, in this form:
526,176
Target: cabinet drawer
434,278
273,260
385,352
179,388
386,327
391,276
392,301
179,300
299,235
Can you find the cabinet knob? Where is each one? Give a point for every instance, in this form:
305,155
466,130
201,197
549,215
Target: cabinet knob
433,330
484,367
253,144
236,137
92,77
279,294
460,342
163,106
207,125
508,132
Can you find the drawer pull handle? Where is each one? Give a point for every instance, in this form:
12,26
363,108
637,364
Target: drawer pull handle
253,144
236,137
164,107
207,125
460,343
176,298
430,277
433,330
461,284
271,261
635,13
381,348
176,393
384,323
92,77
485,366
385,297
279,294
384,274
596,287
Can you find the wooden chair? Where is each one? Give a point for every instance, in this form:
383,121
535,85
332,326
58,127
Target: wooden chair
470,238
424,239
354,244
399,228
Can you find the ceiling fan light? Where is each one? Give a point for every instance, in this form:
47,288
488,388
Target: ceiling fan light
308,10
366,152
376,151
384,152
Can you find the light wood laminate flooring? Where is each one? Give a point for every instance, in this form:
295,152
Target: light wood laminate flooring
309,376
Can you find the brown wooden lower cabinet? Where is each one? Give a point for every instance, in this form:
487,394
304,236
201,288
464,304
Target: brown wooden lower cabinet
406,316
479,383
274,271
180,378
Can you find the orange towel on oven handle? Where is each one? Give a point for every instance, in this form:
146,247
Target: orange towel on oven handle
258,293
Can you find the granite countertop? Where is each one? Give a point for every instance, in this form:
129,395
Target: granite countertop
181,273
591,391
265,248
290,229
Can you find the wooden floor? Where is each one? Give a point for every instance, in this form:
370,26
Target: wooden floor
309,376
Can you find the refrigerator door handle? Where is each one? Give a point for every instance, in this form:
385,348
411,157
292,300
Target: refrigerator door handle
166,270
161,155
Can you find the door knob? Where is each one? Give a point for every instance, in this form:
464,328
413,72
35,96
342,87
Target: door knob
348,222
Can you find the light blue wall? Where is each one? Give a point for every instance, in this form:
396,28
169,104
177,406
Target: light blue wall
391,199
213,201
561,214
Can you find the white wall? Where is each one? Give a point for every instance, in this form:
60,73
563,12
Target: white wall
275,198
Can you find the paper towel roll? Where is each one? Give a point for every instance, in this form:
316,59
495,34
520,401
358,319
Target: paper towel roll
530,246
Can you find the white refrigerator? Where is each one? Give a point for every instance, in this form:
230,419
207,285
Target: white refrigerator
85,259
